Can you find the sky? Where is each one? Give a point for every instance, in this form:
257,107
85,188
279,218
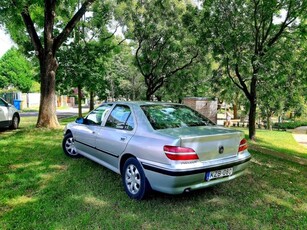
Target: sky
5,42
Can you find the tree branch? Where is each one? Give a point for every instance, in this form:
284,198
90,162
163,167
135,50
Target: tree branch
257,27
31,31
124,39
266,34
242,83
231,77
283,26
138,60
184,66
71,25
48,24
106,38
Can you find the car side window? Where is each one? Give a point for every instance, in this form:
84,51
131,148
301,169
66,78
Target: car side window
96,116
121,118
2,103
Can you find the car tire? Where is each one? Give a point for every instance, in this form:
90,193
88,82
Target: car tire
68,145
135,183
15,122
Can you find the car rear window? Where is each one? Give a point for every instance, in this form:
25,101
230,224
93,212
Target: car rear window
173,116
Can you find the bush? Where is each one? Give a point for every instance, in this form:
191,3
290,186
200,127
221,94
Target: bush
289,125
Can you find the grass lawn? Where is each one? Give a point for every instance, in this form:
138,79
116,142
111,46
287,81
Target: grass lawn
41,188
278,141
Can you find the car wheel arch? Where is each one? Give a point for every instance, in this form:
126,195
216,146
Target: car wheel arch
67,131
17,115
13,124
123,159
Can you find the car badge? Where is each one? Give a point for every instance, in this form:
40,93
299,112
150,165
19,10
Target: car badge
221,149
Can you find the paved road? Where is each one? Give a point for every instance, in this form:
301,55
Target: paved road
300,135
60,113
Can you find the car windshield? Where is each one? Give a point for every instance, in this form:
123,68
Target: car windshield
173,116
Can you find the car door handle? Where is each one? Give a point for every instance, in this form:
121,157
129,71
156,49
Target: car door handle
123,138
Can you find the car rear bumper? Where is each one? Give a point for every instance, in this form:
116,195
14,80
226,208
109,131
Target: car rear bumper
179,181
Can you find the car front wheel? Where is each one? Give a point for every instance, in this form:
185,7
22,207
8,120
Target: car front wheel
134,180
15,122
68,146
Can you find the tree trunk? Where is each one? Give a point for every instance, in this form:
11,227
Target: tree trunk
91,101
79,101
253,106
252,120
149,94
235,111
133,88
47,109
268,123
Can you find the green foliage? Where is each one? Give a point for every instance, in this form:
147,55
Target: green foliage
82,64
122,77
16,71
253,47
163,45
83,60
190,82
289,125
10,17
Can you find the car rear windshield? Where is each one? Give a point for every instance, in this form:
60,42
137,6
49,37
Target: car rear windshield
173,116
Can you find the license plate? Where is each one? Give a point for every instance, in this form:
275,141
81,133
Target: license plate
218,174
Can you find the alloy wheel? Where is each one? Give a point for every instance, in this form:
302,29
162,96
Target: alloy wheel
70,146
133,179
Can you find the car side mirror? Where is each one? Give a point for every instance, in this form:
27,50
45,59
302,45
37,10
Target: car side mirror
80,120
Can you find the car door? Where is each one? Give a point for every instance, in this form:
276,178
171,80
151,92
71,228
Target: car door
85,133
3,113
113,137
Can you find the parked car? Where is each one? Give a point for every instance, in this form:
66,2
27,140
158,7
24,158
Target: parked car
9,116
161,146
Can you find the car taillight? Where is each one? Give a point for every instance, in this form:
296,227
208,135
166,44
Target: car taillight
180,153
243,145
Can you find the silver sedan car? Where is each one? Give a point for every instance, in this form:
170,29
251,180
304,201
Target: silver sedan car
166,147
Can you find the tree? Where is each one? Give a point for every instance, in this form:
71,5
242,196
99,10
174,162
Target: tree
122,76
284,83
163,46
16,71
222,87
244,35
190,82
84,68
85,58
46,39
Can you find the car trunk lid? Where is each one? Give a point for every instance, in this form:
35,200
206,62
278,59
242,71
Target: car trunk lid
209,142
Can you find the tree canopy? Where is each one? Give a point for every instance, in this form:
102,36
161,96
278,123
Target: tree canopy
163,45
16,71
235,50
43,22
245,36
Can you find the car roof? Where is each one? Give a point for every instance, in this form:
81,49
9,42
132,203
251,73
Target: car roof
140,103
